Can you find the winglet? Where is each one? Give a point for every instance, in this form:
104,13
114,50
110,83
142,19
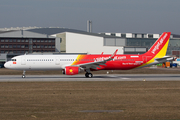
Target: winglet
112,56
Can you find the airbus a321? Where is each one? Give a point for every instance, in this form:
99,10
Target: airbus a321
74,64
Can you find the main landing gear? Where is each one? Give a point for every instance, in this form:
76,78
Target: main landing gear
24,72
88,75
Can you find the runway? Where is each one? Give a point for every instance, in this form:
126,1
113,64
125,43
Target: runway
97,77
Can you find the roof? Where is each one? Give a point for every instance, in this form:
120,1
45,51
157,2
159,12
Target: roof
7,31
176,36
51,31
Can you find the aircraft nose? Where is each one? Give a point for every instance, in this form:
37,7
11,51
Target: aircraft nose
6,65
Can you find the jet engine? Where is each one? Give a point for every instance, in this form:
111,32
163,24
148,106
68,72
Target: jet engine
71,70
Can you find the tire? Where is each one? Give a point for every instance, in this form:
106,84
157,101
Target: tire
87,75
90,75
23,76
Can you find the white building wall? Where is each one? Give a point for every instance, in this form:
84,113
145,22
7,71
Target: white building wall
156,36
80,43
129,35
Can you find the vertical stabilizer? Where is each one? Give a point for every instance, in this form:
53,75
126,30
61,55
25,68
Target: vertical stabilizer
159,48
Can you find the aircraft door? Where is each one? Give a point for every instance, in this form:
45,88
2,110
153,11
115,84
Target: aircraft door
146,59
23,60
57,61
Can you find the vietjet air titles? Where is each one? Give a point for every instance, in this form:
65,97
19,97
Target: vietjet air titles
74,64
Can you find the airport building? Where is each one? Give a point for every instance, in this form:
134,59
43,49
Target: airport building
61,40
134,40
17,41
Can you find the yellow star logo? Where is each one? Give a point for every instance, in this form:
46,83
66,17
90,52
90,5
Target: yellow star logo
71,70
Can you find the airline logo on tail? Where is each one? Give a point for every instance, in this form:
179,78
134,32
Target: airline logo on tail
159,48
159,44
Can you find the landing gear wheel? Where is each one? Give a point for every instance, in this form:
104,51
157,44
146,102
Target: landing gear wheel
24,72
89,75
23,76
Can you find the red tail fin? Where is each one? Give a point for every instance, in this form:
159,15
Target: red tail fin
160,46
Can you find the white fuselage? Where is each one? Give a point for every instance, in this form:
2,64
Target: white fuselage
40,62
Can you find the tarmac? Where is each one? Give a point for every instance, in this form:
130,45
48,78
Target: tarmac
96,77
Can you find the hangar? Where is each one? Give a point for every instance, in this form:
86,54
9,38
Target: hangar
60,40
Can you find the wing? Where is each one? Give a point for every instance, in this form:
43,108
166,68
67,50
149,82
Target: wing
94,65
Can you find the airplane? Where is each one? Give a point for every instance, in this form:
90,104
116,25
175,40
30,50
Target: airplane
76,63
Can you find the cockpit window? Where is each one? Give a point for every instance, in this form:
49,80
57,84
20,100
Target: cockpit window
13,59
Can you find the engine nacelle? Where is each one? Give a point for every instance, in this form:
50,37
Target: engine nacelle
71,70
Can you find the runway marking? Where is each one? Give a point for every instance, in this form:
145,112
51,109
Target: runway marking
125,78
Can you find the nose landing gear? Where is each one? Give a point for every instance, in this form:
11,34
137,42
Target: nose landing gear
24,72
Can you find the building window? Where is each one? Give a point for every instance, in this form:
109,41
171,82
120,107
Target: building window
150,36
42,40
42,46
14,46
2,51
18,46
45,40
2,46
6,40
38,40
26,40
10,46
38,46
10,40
22,40
34,40
2,40
10,51
26,46
34,46
49,40
53,46
22,46
45,46
14,40
49,46
18,40
123,35
6,46
113,34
